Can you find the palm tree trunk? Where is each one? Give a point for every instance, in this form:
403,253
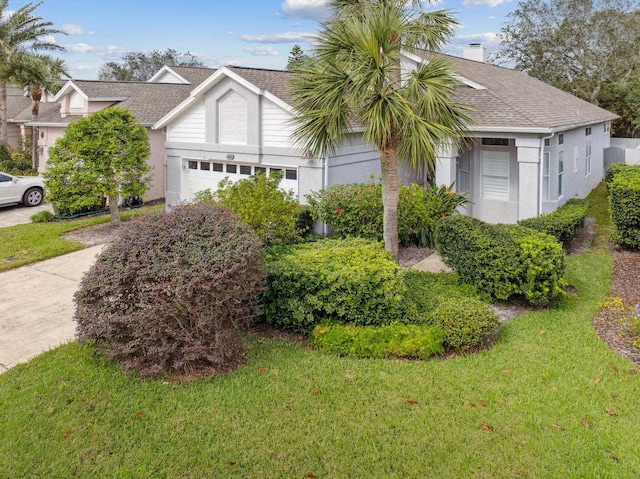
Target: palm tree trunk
390,198
4,137
36,96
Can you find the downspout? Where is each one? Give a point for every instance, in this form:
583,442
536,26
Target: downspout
325,185
541,170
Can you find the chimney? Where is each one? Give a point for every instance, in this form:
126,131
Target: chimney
475,52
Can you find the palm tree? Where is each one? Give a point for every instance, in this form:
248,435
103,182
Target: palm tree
356,82
20,31
37,74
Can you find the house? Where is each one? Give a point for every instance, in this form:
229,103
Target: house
148,102
531,146
18,107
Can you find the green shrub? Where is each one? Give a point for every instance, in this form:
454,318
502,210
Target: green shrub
170,294
42,217
427,290
259,202
466,322
356,210
347,281
563,224
614,170
395,340
624,195
502,260
17,162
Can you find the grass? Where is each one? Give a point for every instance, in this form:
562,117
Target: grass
548,400
27,243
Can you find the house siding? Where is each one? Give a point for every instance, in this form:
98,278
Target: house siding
190,127
276,129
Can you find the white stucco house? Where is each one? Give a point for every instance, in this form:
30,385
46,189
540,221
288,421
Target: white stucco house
531,146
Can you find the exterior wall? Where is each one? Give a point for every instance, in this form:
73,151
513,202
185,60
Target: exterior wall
190,127
47,138
276,129
168,77
354,162
576,183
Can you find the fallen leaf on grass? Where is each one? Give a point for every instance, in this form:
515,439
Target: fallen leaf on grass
233,464
412,401
66,434
633,372
610,411
472,405
138,415
614,368
25,252
596,381
557,426
487,427
482,403
542,331
274,456
506,371
522,474
261,370
315,391
585,423
308,475
614,457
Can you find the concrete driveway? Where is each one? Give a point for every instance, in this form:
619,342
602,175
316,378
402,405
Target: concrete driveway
19,214
37,305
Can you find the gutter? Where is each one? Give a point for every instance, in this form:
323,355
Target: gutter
541,171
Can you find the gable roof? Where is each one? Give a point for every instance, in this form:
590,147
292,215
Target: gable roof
186,75
17,102
510,100
273,84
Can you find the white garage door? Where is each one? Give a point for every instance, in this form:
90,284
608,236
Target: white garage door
203,174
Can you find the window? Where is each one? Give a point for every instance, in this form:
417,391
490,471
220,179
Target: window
561,139
495,175
560,172
217,167
232,168
275,170
547,142
587,158
607,127
245,170
205,165
546,177
495,142
260,169
587,131
4,178
193,165
464,172
291,174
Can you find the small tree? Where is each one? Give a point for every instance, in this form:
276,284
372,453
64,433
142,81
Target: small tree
102,155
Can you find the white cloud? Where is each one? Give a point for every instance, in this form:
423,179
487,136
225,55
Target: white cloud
487,39
110,52
286,37
71,29
309,9
483,3
261,51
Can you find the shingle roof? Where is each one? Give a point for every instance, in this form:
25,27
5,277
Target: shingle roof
194,75
16,101
275,82
512,99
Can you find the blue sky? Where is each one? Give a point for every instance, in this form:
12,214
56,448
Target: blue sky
256,33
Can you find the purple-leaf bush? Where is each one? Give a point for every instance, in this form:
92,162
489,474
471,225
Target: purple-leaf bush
169,296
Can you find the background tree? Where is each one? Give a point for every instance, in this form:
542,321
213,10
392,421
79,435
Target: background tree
140,66
297,58
37,74
356,80
579,46
20,31
102,155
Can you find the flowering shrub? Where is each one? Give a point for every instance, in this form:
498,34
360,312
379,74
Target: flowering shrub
627,316
170,294
356,210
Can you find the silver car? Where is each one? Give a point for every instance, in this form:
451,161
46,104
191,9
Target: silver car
21,189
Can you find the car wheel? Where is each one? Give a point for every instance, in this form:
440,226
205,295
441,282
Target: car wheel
32,197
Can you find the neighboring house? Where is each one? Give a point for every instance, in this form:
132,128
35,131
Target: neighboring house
530,149
147,101
18,104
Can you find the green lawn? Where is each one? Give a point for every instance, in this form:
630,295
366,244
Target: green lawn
28,243
549,400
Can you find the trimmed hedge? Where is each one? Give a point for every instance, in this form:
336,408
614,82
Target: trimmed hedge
356,209
170,294
563,224
614,170
348,281
624,194
504,261
395,340
466,322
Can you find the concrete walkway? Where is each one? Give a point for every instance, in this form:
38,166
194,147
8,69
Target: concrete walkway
37,307
19,214
432,264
